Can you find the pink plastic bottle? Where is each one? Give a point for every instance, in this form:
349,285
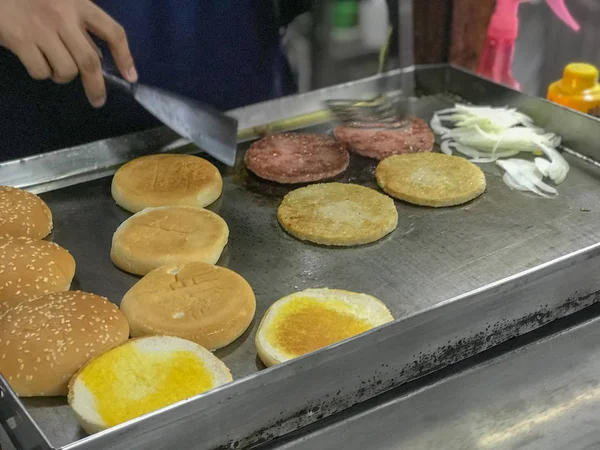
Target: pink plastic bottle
497,57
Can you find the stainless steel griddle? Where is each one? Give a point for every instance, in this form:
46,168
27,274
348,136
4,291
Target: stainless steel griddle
459,280
544,396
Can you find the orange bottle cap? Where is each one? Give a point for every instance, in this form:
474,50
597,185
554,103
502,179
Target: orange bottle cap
579,77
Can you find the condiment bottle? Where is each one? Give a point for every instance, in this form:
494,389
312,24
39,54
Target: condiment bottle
497,57
578,89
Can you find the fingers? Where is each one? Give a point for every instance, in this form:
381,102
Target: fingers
85,56
105,27
34,61
60,60
51,39
93,45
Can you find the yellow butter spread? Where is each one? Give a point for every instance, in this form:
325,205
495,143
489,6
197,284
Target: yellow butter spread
303,325
127,383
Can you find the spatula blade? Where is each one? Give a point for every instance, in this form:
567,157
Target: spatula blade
211,130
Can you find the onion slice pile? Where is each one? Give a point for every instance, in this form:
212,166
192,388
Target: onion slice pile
486,135
523,175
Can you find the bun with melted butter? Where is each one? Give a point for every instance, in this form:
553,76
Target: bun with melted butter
306,321
141,376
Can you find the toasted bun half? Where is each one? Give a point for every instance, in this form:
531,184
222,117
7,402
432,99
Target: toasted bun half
23,214
430,179
166,180
315,318
32,268
168,235
45,341
206,304
141,376
337,214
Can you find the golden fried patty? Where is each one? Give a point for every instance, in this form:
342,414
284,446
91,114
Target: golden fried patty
430,179
337,214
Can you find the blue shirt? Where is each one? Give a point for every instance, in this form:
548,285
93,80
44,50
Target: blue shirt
225,53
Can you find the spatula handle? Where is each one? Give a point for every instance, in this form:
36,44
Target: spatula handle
117,82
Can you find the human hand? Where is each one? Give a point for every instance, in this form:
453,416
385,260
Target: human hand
52,40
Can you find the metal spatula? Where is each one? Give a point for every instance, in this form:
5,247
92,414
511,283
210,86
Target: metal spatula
376,109
211,130
381,109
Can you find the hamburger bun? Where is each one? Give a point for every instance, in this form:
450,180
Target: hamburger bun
45,341
141,376
31,268
23,214
209,305
430,179
168,235
337,214
315,318
166,180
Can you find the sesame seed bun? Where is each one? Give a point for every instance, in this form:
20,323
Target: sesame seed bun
156,237
45,341
30,268
166,180
206,304
23,214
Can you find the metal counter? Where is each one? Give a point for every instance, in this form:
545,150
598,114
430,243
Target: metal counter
459,280
545,396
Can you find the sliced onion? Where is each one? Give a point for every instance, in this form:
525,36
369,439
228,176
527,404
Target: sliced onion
486,134
442,112
500,154
483,160
484,116
477,154
445,147
524,173
437,126
555,141
559,167
511,183
466,150
538,130
512,139
543,165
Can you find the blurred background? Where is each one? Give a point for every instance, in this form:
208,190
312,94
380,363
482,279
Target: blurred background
444,30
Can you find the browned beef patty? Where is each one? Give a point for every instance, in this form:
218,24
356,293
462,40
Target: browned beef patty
291,158
381,140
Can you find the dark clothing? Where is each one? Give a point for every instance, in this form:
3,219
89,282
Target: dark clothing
225,53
